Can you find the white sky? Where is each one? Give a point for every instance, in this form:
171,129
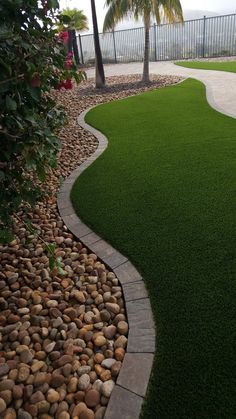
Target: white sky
223,6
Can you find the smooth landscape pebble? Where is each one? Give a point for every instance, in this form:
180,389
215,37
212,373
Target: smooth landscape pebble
63,333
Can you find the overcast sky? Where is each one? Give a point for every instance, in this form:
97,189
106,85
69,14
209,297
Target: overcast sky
223,6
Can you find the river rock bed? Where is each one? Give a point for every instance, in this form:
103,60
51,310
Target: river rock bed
63,333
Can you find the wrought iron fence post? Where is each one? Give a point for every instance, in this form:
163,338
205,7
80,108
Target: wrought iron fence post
204,37
155,41
114,45
81,50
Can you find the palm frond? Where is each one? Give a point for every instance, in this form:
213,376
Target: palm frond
111,15
118,10
157,11
171,10
78,20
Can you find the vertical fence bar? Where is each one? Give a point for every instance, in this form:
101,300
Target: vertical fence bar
114,45
204,36
81,50
214,34
231,36
206,42
210,36
155,41
216,49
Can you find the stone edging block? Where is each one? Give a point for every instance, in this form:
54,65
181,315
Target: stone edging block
136,368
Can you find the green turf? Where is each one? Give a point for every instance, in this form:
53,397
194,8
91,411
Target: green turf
229,66
163,195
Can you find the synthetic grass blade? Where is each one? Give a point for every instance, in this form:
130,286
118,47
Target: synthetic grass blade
229,66
163,194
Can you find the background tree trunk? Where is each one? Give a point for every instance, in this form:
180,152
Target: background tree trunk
75,47
100,77
146,50
70,42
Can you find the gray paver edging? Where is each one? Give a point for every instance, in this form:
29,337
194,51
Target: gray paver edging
131,386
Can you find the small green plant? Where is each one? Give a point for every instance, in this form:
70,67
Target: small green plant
50,248
54,262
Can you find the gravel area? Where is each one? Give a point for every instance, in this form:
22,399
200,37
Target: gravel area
62,334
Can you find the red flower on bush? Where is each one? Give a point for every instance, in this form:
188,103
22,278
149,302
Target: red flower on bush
65,84
64,36
68,64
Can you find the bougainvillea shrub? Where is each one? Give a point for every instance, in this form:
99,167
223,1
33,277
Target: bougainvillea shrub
32,61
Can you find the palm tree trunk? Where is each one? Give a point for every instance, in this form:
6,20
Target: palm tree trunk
145,78
75,47
100,77
70,43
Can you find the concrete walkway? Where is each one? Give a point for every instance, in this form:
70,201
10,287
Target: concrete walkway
220,85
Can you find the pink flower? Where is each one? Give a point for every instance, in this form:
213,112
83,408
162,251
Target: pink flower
68,64
68,84
65,84
64,36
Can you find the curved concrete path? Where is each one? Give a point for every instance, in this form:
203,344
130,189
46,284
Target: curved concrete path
220,85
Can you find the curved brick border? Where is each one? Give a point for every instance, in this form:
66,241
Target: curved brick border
131,386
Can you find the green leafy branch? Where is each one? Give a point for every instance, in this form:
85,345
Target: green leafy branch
32,62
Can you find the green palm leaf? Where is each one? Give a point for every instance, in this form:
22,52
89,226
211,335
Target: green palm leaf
168,10
77,20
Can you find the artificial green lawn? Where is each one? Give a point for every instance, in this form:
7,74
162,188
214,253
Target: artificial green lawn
163,195
229,66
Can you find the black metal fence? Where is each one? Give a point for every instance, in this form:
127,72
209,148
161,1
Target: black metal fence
200,38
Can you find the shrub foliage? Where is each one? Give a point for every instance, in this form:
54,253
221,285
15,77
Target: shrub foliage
32,61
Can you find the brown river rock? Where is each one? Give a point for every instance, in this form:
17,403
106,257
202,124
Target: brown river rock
56,329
